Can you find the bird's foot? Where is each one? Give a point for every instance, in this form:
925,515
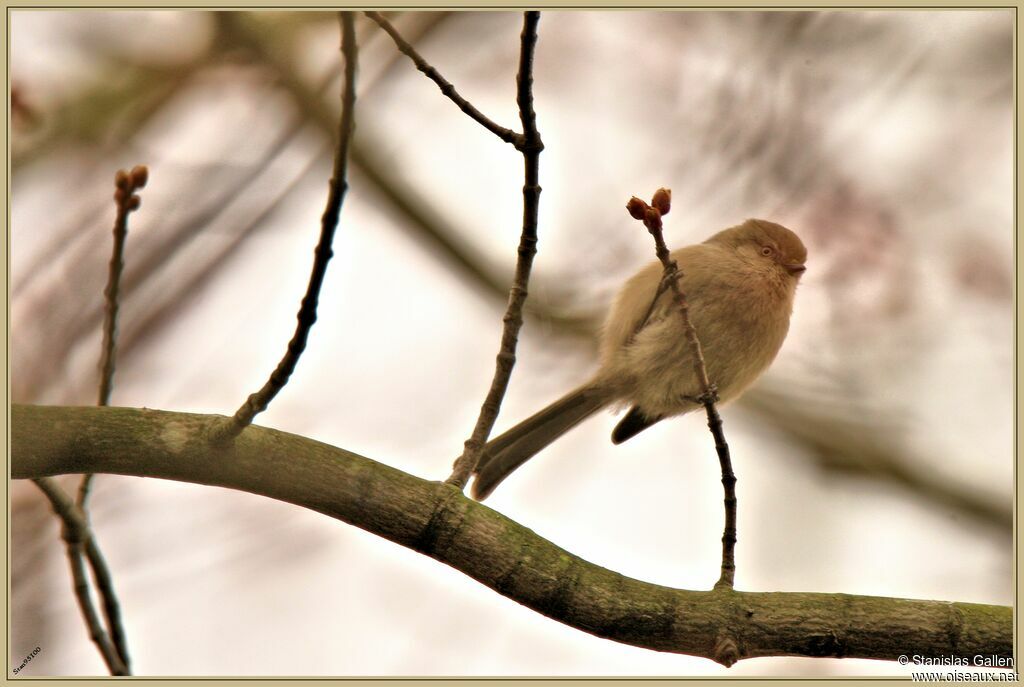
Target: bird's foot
710,395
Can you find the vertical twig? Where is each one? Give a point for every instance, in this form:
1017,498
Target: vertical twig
126,183
105,586
651,216
77,535
257,402
531,146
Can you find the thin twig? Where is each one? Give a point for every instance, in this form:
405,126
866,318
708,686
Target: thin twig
126,183
77,536
662,288
111,606
81,545
507,135
513,319
651,216
420,212
256,403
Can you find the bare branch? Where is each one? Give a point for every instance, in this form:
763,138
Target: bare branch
651,216
416,208
126,183
435,519
77,535
446,87
513,319
258,402
111,607
80,542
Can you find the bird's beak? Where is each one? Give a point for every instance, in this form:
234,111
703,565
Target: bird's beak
794,268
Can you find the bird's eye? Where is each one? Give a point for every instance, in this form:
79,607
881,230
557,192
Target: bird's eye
766,251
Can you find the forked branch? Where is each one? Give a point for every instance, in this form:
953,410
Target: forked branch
513,319
446,87
77,536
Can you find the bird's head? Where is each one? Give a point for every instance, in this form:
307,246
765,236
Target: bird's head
766,243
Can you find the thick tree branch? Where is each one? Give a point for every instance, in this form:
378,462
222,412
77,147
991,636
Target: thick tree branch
437,520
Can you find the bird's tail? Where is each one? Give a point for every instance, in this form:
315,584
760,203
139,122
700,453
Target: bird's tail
505,453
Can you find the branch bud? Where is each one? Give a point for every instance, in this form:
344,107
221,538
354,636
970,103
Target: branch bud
662,200
121,179
636,208
652,218
139,176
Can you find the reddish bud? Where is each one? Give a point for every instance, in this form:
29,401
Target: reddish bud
636,208
119,196
133,203
652,218
662,200
121,179
140,175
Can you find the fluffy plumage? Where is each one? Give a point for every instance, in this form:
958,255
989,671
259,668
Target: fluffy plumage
740,285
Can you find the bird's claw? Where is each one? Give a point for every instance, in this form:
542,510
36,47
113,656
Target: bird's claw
709,395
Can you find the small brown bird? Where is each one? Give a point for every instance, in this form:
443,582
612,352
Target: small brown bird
740,285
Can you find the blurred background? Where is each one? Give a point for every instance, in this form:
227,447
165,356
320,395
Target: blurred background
876,456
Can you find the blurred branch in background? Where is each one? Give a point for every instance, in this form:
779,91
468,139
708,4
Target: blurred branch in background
168,237
154,249
424,218
861,442
110,111
108,114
